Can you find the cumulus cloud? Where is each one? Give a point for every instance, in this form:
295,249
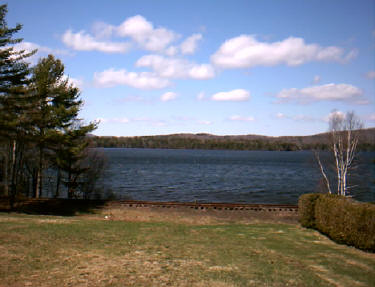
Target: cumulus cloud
144,80
371,117
370,75
241,118
176,68
190,45
234,95
138,31
144,33
246,51
102,30
329,92
82,41
171,51
168,96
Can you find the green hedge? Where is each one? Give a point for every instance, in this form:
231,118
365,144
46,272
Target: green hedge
342,219
306,209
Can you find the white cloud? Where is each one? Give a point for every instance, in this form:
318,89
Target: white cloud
29,47
297,118
189,46
246,51
334,114
316,79
234,95
241,118
102,30
82,41
329,92
171,51
371,117
168,96
78,83
370,75
42,50
176,68
144,33
144,80
138,30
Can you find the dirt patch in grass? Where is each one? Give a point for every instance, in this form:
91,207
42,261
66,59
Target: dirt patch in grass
192,216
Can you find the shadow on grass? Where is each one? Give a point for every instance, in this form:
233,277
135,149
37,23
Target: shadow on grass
52,206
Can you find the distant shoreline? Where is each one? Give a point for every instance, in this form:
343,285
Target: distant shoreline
244,142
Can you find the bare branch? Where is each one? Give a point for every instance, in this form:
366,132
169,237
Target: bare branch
323,172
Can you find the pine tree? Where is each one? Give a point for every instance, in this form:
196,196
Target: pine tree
14,108
71,154
56,106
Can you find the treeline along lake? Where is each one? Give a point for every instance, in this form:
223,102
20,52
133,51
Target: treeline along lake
223,175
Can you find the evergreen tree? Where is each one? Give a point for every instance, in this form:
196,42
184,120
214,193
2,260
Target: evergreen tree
14,107
71,153
56,106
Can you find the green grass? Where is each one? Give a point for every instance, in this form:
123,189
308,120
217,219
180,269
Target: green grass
81,251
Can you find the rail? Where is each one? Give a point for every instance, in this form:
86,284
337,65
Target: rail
206,206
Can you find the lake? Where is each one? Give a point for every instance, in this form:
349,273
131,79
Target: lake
222,175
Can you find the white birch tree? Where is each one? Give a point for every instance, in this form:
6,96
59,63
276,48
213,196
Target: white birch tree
344,136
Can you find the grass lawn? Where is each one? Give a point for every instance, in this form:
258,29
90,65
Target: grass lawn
89,250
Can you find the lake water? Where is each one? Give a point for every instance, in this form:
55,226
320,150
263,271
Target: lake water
222,175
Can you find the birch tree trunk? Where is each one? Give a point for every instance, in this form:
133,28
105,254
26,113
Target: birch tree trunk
344,136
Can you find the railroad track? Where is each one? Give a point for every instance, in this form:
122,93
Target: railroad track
206,206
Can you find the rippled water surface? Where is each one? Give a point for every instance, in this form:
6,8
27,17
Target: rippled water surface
221,176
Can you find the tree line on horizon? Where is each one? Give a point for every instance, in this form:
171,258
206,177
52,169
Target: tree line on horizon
40,132
204,141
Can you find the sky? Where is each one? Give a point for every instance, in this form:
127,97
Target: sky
266,67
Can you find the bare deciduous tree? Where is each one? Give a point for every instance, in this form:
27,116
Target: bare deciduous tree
343,132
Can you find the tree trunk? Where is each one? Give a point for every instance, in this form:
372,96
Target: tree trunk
323,172
6,182
58,180
40,173
35,180
13,179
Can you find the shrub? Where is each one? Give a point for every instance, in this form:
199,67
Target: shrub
346,221
306,209
342,219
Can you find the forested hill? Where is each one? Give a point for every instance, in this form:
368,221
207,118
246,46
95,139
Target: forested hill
245,142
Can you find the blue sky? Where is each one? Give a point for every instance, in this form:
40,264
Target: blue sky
221,67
